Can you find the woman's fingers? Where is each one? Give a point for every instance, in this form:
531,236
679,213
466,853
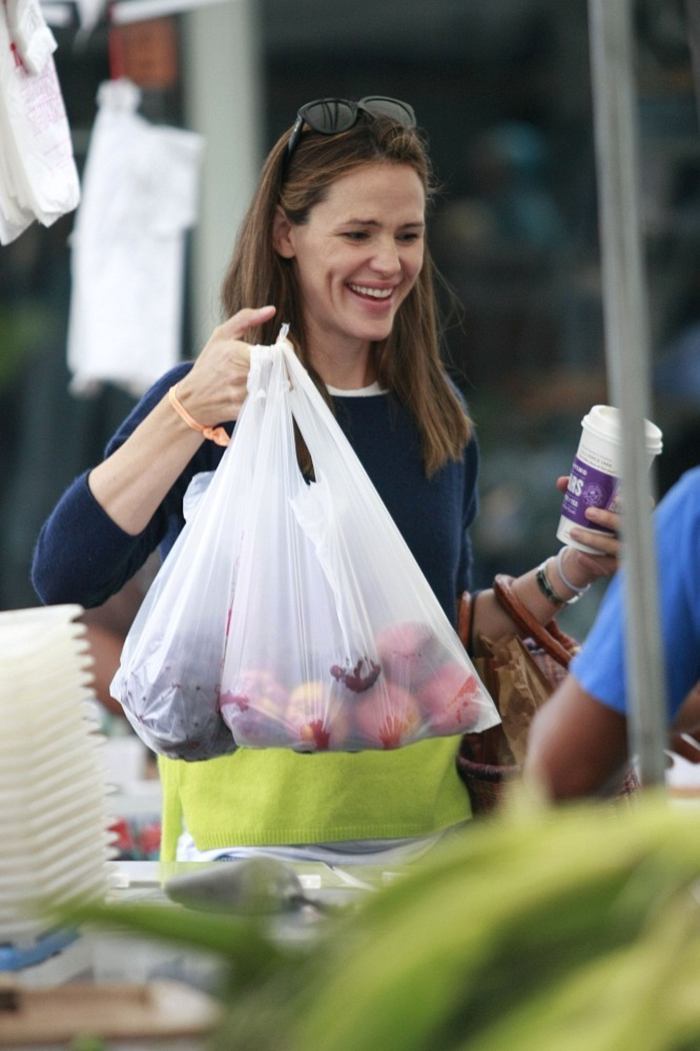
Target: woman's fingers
239,323
216,387
596,565
605,542
603,518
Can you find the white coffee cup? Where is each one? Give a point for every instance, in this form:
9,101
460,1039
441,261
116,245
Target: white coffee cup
596,469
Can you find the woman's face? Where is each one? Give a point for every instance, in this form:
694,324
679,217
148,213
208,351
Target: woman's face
358,256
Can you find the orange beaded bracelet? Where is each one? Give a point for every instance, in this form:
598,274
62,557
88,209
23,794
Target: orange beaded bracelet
217,435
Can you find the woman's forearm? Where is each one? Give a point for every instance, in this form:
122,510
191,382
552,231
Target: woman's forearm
131,484
492,621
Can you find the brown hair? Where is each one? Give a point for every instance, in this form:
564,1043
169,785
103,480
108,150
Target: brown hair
408,362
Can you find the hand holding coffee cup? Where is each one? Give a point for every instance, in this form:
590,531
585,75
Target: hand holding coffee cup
605,540
589,515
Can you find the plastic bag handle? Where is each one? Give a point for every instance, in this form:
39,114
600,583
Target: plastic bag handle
301,381
315,420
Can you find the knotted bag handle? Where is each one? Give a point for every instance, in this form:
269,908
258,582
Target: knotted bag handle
549,637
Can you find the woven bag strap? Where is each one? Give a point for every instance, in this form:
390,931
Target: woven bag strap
560,646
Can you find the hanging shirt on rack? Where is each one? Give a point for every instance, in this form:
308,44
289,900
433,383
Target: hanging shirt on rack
139,197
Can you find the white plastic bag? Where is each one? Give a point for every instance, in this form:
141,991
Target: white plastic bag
293,611
33,40
38,177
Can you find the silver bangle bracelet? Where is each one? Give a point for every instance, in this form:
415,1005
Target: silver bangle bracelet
578,591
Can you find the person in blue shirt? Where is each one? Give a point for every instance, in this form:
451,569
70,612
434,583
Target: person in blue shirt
578,740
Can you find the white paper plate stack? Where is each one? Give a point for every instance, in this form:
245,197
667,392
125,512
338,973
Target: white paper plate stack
54,838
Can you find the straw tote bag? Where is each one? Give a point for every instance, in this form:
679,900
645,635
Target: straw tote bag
520,672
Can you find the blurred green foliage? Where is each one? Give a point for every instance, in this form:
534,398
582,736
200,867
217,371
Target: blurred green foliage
564,929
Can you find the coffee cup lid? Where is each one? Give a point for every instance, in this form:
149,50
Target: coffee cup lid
604,422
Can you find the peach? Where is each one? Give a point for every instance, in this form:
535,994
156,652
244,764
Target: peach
316,721
387,716
450,699
254,710
408,653
257,729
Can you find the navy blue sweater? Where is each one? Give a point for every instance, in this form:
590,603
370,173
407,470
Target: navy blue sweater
82,556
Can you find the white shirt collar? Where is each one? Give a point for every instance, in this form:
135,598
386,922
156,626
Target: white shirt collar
359,392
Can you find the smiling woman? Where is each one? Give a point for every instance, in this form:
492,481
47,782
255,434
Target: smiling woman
353,201
334,242
358,256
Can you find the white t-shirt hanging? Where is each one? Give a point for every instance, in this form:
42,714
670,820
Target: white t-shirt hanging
140,189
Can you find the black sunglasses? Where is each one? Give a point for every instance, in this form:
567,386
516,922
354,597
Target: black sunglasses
330,116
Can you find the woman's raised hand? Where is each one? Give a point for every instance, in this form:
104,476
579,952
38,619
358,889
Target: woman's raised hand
131,483
215,388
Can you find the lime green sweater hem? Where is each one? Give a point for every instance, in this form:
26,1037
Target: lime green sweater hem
277,798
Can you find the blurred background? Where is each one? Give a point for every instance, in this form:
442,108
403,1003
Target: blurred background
503,90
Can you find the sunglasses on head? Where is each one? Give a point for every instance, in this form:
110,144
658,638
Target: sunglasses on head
330,116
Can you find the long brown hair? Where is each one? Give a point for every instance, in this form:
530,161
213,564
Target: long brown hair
408,362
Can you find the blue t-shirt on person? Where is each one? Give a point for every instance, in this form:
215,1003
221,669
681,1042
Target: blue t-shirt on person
600,667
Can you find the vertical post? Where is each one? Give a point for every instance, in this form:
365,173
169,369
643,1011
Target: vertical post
627,356
222,82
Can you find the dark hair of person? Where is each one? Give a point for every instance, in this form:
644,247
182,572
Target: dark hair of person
408,362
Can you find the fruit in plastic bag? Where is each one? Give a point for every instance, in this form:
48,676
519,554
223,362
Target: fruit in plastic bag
255,710
408,652
450,699
296,584
177,719
387,717
317,722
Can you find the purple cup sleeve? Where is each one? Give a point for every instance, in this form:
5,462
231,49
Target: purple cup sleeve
588,487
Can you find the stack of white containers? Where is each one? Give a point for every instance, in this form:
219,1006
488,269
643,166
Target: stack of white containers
54,838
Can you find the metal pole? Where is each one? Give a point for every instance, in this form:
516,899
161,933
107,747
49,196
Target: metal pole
627,356
223,102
